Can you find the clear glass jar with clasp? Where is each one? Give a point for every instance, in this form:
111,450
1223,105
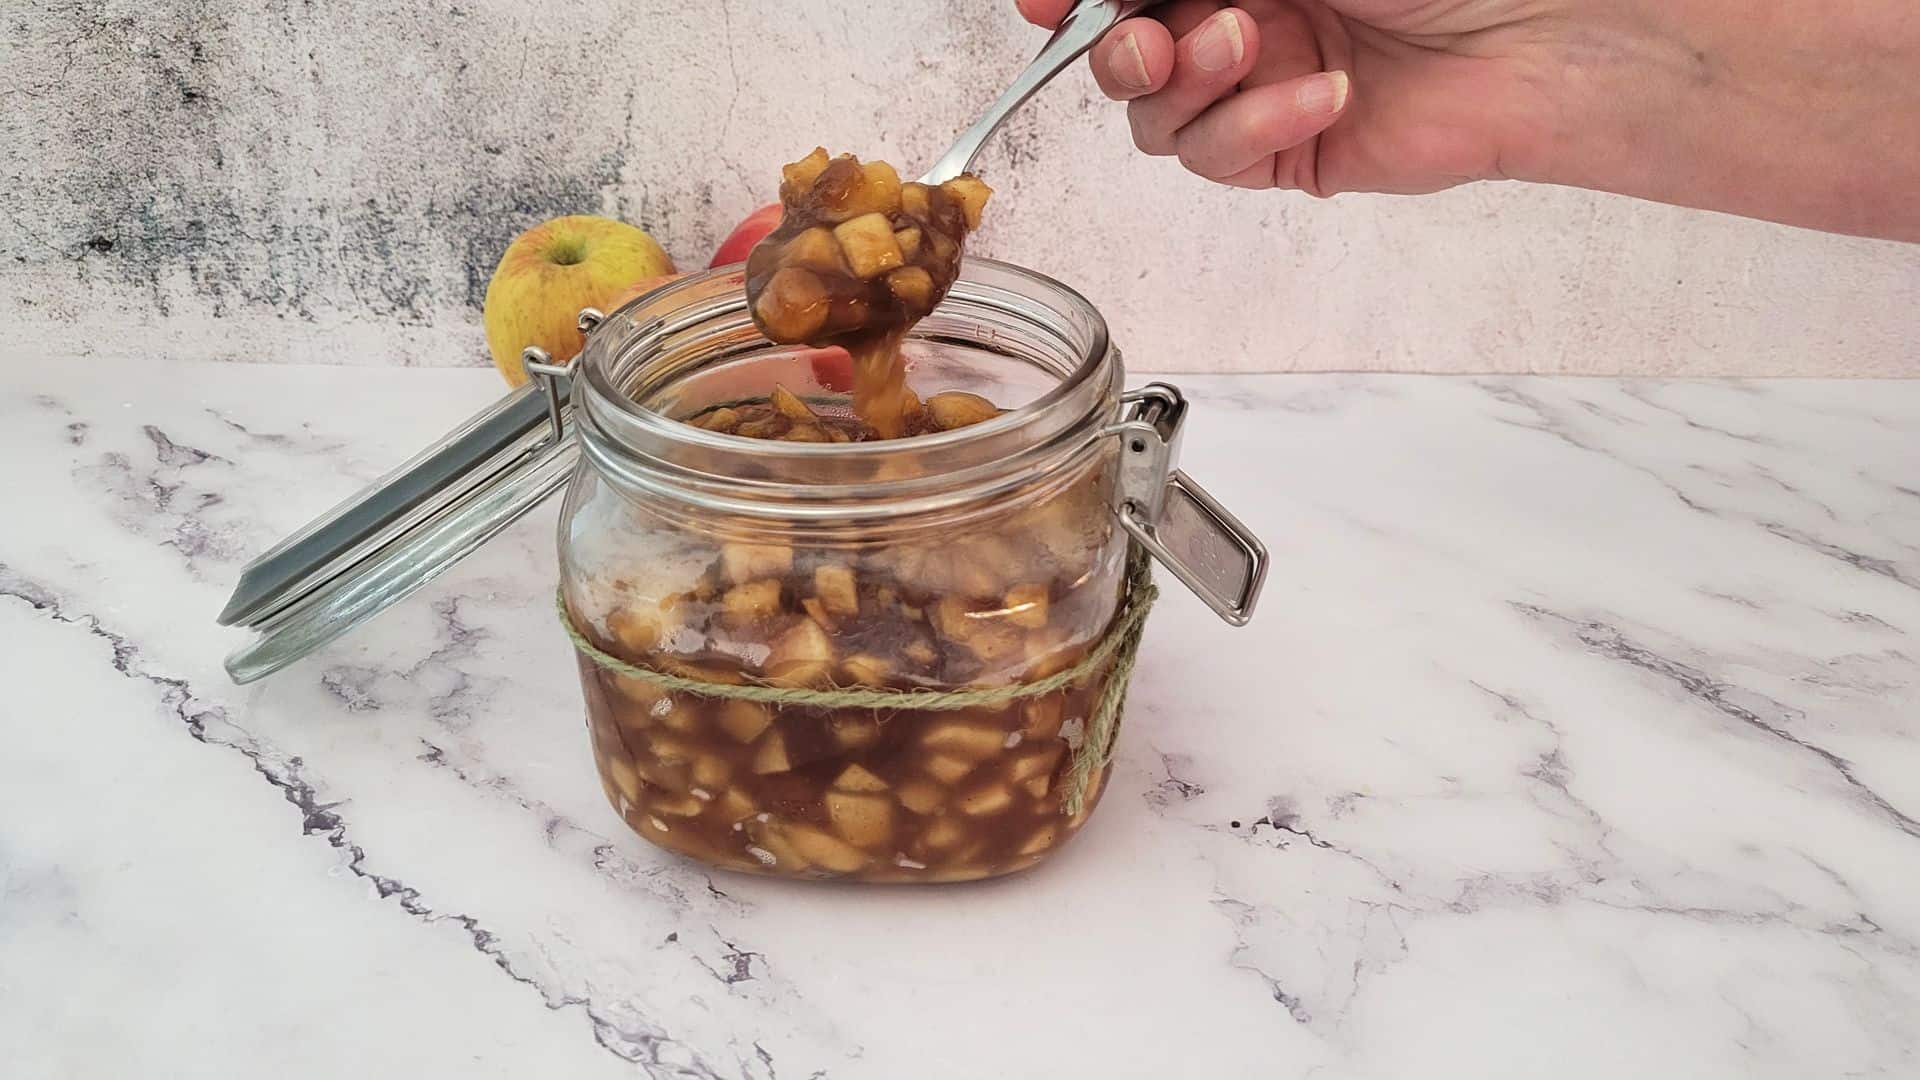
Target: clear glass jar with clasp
893,660
985,557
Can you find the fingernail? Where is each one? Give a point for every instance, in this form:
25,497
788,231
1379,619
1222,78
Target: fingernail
1219,45
1324,94
1128,66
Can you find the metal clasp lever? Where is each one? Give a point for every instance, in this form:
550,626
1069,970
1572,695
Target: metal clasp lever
1185,529
556,380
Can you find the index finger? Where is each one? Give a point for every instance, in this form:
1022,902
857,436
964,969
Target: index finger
1047,13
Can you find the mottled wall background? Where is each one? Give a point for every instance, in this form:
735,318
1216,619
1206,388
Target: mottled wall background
331,181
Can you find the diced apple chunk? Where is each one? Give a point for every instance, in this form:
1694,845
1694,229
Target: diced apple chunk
984,566
1049,652
721,420
794,304
773,839
836,588
817,611
849,313
814,249
805,641
669,775
865,820
868,244
744,720
1036,763
677,714
824,849
788,404
913,287
703,672
742,563
943,833
637,631
858,778
957,409
964,738
1026,605
735,805
625,778
971,193
671,749
771,756
942,245
642,692
985,800
915,201
801,174
947,770
920,796
881,185
909,241
995,642
711,772
1041,840
752,602
676,805
854,732
1044,716
724,420
803,656
866,669
954,619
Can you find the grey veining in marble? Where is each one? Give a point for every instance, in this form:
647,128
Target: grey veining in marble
1578,736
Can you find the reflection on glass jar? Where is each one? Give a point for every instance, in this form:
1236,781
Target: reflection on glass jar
974,559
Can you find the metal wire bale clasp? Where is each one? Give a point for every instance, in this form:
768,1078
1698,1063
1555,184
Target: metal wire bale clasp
1185,529
556,380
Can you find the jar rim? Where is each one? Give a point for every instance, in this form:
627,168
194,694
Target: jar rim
645,449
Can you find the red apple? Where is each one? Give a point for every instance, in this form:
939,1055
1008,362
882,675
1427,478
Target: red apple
832,368
746,234
640,288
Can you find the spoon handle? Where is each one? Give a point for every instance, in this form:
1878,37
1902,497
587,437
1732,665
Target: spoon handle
1078,32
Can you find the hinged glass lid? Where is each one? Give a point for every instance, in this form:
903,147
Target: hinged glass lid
402,530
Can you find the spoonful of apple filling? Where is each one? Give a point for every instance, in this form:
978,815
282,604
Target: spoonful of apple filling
858,258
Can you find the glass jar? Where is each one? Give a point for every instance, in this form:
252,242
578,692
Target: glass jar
883,661
981,557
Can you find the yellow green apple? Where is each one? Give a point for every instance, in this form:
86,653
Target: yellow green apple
553,270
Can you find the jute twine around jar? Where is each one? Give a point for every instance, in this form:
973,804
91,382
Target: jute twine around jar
1119,648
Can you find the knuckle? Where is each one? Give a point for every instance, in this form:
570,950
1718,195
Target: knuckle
1153,147
1195,161
1149,137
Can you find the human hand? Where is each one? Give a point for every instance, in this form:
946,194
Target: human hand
1791,110
1345,95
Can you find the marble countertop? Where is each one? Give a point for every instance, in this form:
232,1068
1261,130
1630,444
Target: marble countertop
1578,736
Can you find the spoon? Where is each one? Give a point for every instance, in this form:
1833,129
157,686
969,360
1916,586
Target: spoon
1078,32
